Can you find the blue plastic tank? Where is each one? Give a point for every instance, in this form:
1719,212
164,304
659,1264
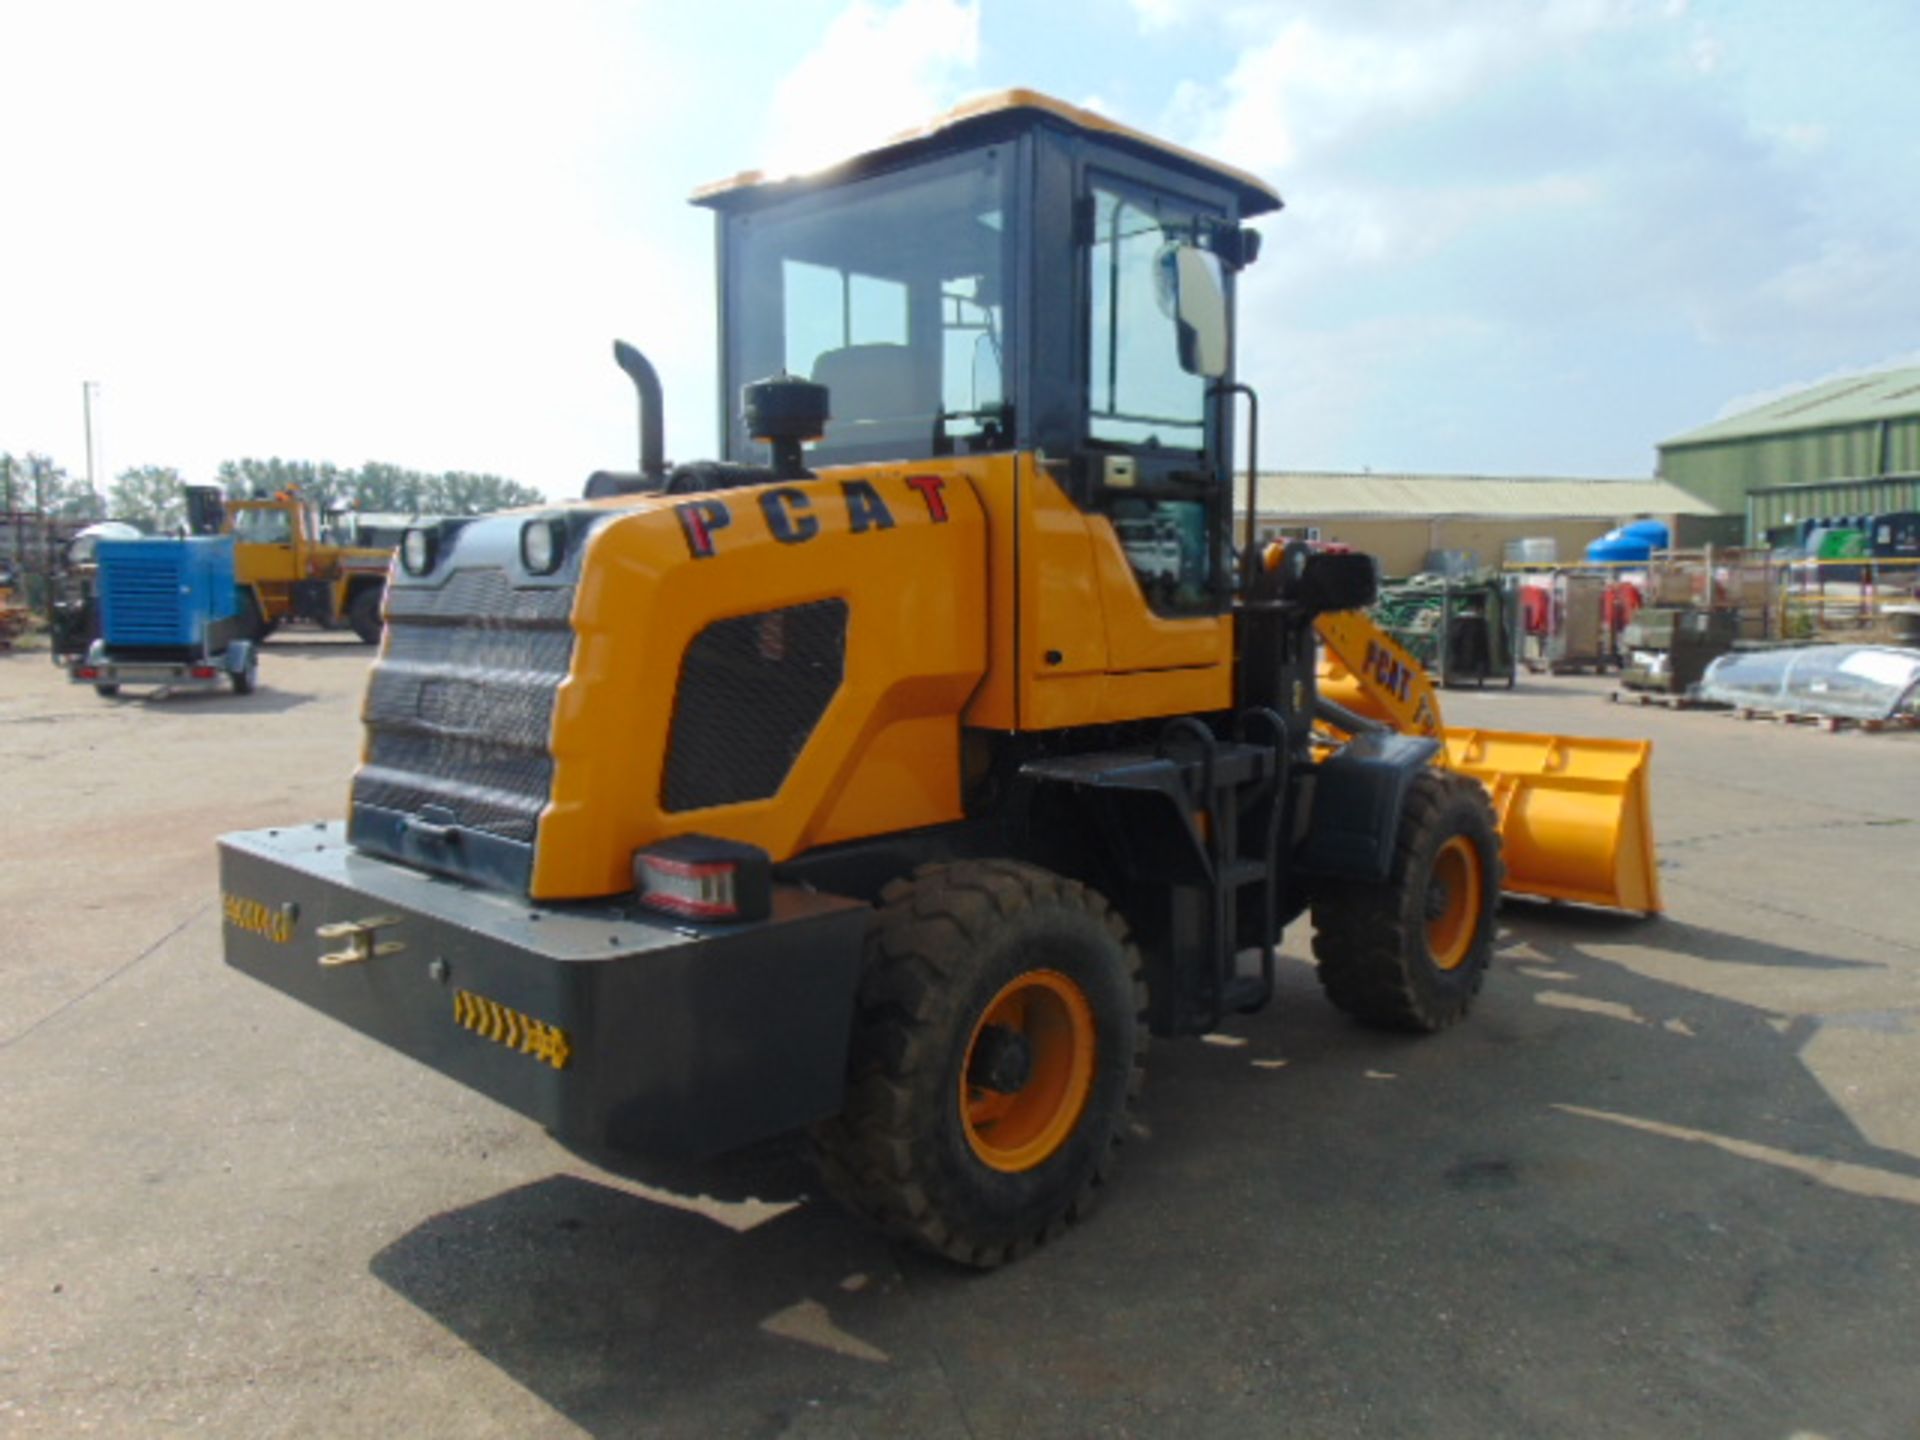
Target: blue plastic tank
1629,544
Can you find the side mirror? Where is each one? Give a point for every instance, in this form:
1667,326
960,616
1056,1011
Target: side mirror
1199,307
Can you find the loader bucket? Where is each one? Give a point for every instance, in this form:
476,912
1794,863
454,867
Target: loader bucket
1575,821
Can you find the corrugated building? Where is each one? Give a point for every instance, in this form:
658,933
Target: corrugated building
1845,447
1403,518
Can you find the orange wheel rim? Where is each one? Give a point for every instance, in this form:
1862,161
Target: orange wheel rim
1046,1018
1453,903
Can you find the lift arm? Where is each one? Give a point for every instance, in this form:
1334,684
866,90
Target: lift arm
1395,686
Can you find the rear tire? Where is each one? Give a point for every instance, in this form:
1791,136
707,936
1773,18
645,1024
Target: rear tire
363,614
243,681
1410,954
106,691
998,1042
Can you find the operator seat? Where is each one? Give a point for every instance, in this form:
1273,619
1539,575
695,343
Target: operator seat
869,382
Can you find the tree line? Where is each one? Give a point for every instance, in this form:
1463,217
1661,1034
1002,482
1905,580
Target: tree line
151,497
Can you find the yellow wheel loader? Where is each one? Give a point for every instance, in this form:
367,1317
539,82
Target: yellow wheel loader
895,776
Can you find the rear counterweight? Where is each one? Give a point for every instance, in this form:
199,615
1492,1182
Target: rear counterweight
610,1030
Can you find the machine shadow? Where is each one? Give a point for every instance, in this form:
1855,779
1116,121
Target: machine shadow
265,700
1601,1152
1559,925
297,646
773,1172
631,1315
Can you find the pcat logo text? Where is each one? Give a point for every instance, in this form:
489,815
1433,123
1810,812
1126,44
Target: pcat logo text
793,518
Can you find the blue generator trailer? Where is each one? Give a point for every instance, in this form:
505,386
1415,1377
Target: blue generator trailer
168,617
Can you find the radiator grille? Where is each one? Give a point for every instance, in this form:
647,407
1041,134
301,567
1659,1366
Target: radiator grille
751,690
459,714
142,597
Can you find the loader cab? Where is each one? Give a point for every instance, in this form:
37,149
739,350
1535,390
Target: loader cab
1021,276
264,522
276,535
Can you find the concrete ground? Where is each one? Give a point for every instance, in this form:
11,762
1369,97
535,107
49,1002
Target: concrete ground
1665,1182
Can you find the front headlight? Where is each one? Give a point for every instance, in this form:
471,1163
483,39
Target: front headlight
416,551
542,546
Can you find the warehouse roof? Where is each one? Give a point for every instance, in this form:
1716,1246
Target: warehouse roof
1302,494
1856,400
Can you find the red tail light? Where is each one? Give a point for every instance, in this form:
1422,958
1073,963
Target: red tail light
203,672
702,878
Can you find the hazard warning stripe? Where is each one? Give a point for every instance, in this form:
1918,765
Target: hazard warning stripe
506,1026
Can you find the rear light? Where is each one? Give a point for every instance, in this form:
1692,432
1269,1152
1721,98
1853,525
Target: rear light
87,672
203,672
701,878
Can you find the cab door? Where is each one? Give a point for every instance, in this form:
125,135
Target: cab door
264,535
1152,479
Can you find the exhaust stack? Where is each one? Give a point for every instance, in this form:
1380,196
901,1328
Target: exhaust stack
646,382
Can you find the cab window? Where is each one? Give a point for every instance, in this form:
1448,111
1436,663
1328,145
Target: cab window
891,292
1141,399
1138,392
265,526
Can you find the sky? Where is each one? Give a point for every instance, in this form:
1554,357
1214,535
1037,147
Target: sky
1522,237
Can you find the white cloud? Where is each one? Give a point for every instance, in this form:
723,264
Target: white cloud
377,231
1707,53
1799,139
1157,15
1325,392
1468,191
1327,71
1844,276
878,69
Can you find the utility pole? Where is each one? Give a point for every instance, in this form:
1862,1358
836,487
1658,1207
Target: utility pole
87,388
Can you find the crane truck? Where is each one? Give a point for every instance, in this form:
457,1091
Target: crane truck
285,566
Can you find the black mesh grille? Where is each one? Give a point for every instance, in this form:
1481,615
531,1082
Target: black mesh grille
460,711
751,690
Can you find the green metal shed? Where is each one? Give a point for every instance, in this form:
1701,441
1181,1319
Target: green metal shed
1834,444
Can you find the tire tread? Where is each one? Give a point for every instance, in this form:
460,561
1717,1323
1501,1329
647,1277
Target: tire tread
875,1155
1367,937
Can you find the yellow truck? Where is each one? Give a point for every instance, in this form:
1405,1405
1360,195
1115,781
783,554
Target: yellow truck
286,569
897,775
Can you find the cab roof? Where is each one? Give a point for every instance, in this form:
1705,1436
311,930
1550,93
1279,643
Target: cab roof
978,121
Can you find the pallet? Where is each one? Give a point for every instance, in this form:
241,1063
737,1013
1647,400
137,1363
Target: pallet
1670,699
1597,666
1832,724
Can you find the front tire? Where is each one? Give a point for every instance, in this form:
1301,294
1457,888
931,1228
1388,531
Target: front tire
998,1043
1411,954
363,614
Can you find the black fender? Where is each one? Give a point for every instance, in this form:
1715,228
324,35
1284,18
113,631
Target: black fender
1351,804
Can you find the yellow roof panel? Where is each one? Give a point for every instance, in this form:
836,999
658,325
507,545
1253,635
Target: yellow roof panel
1256,196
